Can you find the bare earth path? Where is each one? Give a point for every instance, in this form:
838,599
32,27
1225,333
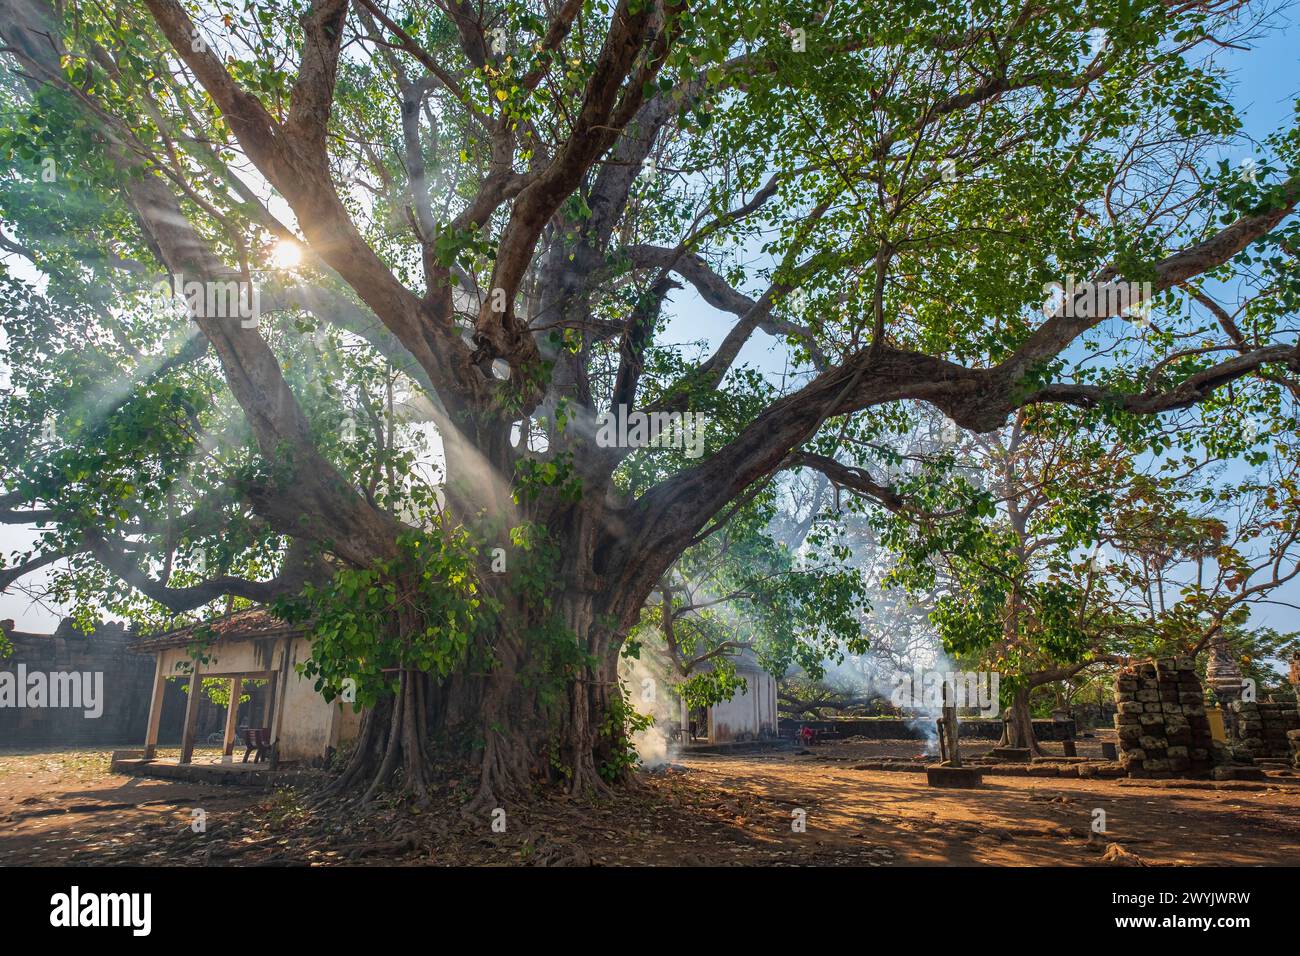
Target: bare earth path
708,809
1013,820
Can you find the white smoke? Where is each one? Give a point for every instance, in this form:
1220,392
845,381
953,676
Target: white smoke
877,673
649,695
651,747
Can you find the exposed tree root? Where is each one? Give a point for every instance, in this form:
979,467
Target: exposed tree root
494,727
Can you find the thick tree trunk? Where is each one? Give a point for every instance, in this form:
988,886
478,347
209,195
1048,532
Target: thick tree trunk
538,701
1018,729
391,751
532,718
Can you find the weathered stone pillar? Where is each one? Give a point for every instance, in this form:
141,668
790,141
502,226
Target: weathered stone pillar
1161,722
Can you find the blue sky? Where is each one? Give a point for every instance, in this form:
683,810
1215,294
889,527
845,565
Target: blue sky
1268,77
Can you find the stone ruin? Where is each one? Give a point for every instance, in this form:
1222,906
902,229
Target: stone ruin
1261,730
1161,721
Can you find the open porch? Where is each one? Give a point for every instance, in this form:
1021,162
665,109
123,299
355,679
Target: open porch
288,723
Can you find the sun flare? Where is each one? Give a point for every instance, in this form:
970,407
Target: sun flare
286,254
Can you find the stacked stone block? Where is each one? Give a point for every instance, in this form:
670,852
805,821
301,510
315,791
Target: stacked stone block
1261,729
1161,722
1293,737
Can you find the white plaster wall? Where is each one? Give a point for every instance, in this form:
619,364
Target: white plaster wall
750,712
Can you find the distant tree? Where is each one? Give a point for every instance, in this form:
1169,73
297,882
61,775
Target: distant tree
1053,550
742,590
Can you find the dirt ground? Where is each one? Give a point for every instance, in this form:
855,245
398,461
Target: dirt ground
65,807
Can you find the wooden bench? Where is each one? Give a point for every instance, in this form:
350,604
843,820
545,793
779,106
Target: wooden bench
257,741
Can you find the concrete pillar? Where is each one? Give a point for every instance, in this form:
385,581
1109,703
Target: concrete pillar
191,716
281,686
776,710
268,705
155,709
232,715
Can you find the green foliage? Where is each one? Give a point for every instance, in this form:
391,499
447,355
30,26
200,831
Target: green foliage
534,477
719,683
217,690
420,612
620,724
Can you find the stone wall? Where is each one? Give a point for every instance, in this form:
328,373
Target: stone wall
127,688
127,679
1161,722
1260,729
